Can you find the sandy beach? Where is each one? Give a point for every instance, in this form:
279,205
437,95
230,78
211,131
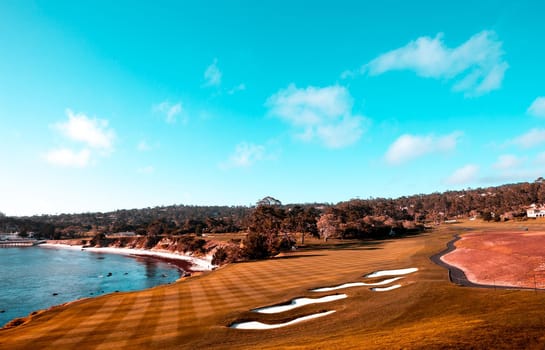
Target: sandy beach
187,263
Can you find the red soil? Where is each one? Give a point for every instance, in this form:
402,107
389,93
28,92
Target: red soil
501,258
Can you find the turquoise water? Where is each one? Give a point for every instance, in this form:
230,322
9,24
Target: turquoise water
36,278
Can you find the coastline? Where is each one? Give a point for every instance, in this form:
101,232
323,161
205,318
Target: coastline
187,263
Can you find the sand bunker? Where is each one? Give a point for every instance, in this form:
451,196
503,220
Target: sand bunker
356,284
392,272
260,325
499,259
386,289
295,303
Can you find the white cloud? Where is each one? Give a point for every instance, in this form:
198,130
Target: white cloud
169,110
464,175
245,155
93,132
212,74
537,108
532,138
69,158
146,170
477,66
239,87
143,146
508,162
321,113
408,147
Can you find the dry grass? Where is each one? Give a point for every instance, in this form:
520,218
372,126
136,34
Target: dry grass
427,312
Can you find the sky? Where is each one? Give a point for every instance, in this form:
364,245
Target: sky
109,105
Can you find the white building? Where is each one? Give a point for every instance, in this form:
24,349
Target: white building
535,211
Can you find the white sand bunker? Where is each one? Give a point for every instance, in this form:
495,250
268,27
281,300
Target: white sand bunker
295,303
392,272
386,289
260,325
356,284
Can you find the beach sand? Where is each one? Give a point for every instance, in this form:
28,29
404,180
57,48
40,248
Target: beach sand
187,263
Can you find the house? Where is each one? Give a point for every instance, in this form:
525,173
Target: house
535,211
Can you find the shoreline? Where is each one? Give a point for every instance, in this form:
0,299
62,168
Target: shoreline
458,276
186,263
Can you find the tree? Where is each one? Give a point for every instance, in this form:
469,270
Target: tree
24,232
327,226
268,201
301,220
265,224
256,246
487,215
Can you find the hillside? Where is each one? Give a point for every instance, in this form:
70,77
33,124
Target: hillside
349,218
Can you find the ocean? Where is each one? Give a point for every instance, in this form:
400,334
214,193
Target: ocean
35,278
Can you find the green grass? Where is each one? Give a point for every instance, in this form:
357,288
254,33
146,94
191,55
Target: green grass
427,312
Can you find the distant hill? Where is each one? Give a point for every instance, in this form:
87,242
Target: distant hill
505,202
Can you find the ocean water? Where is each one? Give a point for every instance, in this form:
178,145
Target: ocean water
35,278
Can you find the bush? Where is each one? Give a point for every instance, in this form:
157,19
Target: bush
226,254
99,240
151,241
220,256
256,246
192,244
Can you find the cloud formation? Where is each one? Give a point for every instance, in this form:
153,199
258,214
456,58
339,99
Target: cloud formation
318,113
531,139
93,132
508,162
245,155
463,175
408,147
92,135
169,110
212,74
143,146
477,66
235,89
537,108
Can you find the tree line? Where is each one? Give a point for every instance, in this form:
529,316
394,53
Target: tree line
270,225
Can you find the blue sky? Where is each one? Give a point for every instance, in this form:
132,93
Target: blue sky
109,105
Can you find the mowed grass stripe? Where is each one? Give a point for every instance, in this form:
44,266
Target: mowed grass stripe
194,313
151,318
200,304
216,293
186,310
236,283
76,333
124,316
241,287
41,335
168,321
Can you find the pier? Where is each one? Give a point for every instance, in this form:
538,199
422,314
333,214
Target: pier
19,243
